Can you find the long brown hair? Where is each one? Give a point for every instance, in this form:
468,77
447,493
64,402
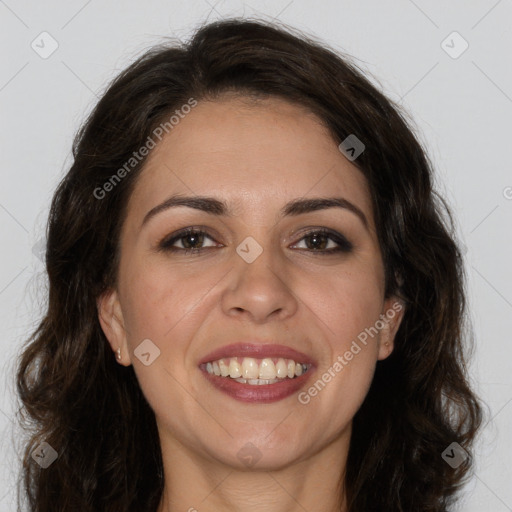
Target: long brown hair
92,412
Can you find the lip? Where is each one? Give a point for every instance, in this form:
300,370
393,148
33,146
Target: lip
262,394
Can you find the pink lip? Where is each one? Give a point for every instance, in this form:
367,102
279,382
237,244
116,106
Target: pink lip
258,351
266,393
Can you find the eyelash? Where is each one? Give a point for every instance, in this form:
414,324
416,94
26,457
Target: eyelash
344,246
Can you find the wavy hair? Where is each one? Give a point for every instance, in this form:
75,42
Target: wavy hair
92,411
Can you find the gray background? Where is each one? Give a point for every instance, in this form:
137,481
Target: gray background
461,106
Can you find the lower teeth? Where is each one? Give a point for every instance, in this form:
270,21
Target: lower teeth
257,382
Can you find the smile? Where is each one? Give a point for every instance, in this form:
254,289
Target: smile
256,372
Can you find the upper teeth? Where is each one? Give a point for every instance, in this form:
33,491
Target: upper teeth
251,368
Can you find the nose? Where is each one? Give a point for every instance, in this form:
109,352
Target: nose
259,291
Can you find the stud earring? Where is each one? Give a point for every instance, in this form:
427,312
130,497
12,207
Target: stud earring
119,353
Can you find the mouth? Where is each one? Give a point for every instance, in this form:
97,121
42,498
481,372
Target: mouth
257,373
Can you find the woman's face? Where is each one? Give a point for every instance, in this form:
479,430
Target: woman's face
264,281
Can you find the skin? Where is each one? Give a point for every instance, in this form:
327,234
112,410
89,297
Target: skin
256,156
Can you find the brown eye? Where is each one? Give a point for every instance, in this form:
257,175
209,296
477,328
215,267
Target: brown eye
189,240
192,240
324,241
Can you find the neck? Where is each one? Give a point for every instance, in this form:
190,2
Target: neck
196,484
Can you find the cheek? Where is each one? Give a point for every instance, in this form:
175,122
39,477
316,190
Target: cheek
165,309
166,306
158,299
348,307
348,304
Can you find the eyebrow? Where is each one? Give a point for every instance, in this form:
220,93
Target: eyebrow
220,208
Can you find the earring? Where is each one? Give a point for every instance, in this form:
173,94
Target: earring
119,353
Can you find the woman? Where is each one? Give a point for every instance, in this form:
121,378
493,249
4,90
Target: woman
254,300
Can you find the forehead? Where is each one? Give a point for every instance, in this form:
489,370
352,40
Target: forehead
251,153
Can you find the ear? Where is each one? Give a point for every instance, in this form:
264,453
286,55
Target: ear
111,320
391,317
